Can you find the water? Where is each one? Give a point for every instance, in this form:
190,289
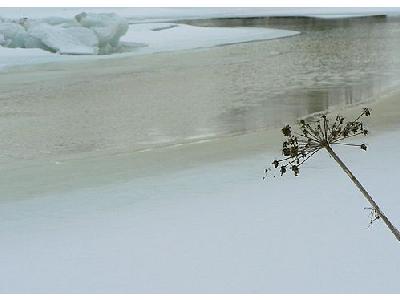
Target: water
333,62
146,101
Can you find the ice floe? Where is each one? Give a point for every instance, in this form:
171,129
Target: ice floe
86,33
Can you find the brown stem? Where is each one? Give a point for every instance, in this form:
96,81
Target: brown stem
375,206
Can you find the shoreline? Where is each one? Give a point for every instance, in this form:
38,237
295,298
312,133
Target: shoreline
166,112
65,173
126,105
132,222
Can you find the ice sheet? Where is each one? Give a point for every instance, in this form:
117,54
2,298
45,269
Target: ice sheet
171,37
84,34
140,38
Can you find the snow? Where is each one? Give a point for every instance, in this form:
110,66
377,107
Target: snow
195,218
20,56
173,37
213,227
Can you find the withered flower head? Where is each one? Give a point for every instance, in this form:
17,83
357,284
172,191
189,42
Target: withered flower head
286,131
313,136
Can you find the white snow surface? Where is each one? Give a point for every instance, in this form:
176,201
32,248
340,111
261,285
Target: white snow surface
20,56
214,228
171,37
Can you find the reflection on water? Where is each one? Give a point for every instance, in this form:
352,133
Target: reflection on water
333,62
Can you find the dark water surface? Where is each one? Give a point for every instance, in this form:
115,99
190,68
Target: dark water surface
332,62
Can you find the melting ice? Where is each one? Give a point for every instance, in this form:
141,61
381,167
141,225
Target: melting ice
86,33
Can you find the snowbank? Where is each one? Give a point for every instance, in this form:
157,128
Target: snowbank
87,33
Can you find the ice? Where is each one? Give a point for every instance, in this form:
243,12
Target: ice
22,56
171,37
108,27
65,40
85,34
12,34
90,34
110,24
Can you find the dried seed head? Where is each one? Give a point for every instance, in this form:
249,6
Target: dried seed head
314,136
295,170
275,163
283,170
286,131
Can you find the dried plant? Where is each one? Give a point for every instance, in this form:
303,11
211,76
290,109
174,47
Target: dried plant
314,136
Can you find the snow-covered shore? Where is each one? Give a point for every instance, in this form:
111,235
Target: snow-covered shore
199,218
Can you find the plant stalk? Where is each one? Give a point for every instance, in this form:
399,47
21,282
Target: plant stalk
375,206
